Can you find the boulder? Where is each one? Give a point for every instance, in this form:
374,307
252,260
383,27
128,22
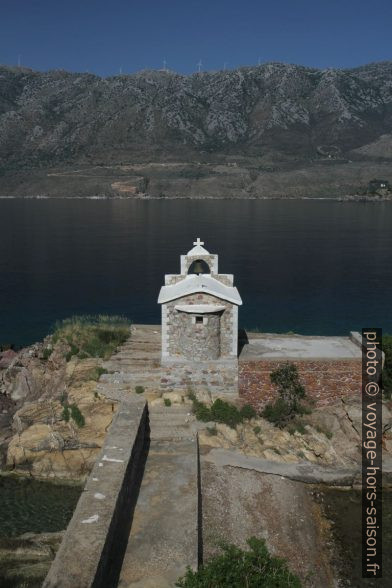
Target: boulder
6,358
174,397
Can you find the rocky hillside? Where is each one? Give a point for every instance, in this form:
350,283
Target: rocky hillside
273,114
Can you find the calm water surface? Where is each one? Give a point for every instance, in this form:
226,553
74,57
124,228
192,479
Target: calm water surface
307,266
344,510
36,507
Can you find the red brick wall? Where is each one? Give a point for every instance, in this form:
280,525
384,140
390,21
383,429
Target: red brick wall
325,380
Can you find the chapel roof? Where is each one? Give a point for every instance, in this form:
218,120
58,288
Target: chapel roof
198,249
194,283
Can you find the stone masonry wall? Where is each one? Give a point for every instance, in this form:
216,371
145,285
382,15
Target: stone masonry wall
220,380
175,325
209,259
325,380
199,340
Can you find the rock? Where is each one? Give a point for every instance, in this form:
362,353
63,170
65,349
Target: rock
6,358
272,455
204,396
227,433
309,456
213,440
25,560
157,402
174,397
49,447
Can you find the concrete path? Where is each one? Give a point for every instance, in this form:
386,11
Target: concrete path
163,538
302,472
164,535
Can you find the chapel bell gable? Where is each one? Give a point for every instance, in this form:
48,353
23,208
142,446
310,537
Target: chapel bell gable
199,310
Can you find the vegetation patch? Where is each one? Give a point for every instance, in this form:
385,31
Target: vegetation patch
96,373
71,411
47,352
288,404
296,427
167,401
221,412
139,389
92,336
77,415
253,568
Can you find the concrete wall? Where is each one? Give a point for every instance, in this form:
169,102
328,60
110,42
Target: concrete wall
94,544
325,380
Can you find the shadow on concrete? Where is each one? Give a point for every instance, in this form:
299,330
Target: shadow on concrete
199,510
242,340
109,568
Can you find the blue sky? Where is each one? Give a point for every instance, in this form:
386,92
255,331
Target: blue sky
103,36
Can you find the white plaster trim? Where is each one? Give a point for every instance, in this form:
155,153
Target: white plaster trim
234,348
200,308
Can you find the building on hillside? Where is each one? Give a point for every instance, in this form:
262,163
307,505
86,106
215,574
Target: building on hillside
199,310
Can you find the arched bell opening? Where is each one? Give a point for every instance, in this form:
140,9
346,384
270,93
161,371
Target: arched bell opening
199,266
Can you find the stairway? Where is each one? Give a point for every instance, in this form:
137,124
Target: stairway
164,535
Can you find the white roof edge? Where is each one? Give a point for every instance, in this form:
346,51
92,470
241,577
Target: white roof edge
197,250
167,297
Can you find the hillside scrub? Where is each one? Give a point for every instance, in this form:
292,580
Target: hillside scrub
288,404
253,568
92,336
221,412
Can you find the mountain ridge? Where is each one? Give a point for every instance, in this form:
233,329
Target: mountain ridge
273,113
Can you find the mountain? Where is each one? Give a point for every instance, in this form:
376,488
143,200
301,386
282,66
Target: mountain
274,115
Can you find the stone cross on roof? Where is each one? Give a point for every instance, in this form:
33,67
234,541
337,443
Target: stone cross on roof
198,242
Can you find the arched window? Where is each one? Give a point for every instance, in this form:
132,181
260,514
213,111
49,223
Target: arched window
199,266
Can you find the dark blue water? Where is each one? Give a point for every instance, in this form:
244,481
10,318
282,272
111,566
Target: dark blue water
307,266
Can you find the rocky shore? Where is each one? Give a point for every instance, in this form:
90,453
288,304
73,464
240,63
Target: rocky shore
274,470
36,439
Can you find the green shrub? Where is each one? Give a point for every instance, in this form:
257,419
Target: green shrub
47,352
97,372
287,406
139,389
77,415
387,371
167,401
277,412
212,430
235,567
200,410
257,430
329,434
221,412
248,412
65,413
300,428
73,351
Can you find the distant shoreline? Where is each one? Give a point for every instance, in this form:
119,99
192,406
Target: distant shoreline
351,198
